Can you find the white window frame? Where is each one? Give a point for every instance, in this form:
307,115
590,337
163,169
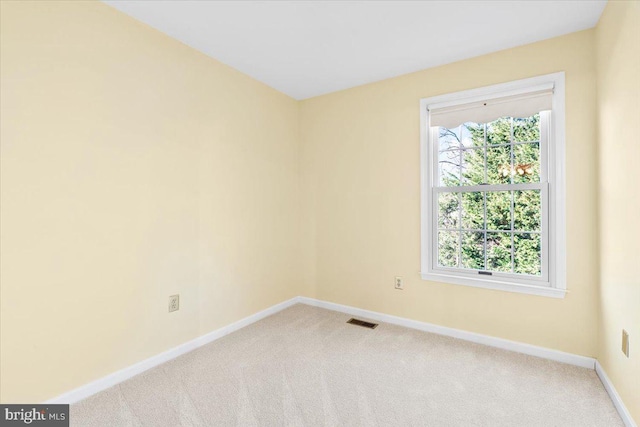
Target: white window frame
552,282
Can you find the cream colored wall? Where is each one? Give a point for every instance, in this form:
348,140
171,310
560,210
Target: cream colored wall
133,168
618,66
361,171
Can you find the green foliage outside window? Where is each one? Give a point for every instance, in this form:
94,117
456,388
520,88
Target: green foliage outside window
490,230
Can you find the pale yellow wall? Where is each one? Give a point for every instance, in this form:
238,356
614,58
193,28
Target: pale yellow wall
133,168
361,169
618,66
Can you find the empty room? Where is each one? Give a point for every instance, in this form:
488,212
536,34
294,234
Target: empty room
320,213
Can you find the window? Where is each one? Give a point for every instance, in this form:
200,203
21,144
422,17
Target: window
493,187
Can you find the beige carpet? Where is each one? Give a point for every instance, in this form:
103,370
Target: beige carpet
305,366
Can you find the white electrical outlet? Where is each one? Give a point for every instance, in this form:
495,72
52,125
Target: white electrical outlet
174,303
625,343
398,283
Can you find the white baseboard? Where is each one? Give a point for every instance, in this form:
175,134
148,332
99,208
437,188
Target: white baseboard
133,370
615,397
542,352
545,353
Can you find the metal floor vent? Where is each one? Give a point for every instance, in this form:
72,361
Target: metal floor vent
362,323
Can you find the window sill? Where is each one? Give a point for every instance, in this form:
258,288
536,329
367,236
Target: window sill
544,291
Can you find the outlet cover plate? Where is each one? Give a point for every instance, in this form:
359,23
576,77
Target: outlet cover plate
174,303
625,342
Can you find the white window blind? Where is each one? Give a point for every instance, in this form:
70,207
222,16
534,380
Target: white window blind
523,104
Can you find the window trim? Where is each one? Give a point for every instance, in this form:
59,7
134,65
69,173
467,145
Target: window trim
555,286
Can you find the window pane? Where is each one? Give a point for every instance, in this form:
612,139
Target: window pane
473,135
473,250
449,138
449,168
526,253
526,129
448,210
526,162
499,165
499,131
497,231
499,252
499,210
473,210
470,136
473,166
527,212
448,248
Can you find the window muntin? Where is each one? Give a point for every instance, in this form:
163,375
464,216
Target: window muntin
490,230
490,197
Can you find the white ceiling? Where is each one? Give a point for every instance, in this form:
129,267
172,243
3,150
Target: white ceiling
309,48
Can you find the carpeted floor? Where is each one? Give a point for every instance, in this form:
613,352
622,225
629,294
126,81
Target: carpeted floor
305,366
